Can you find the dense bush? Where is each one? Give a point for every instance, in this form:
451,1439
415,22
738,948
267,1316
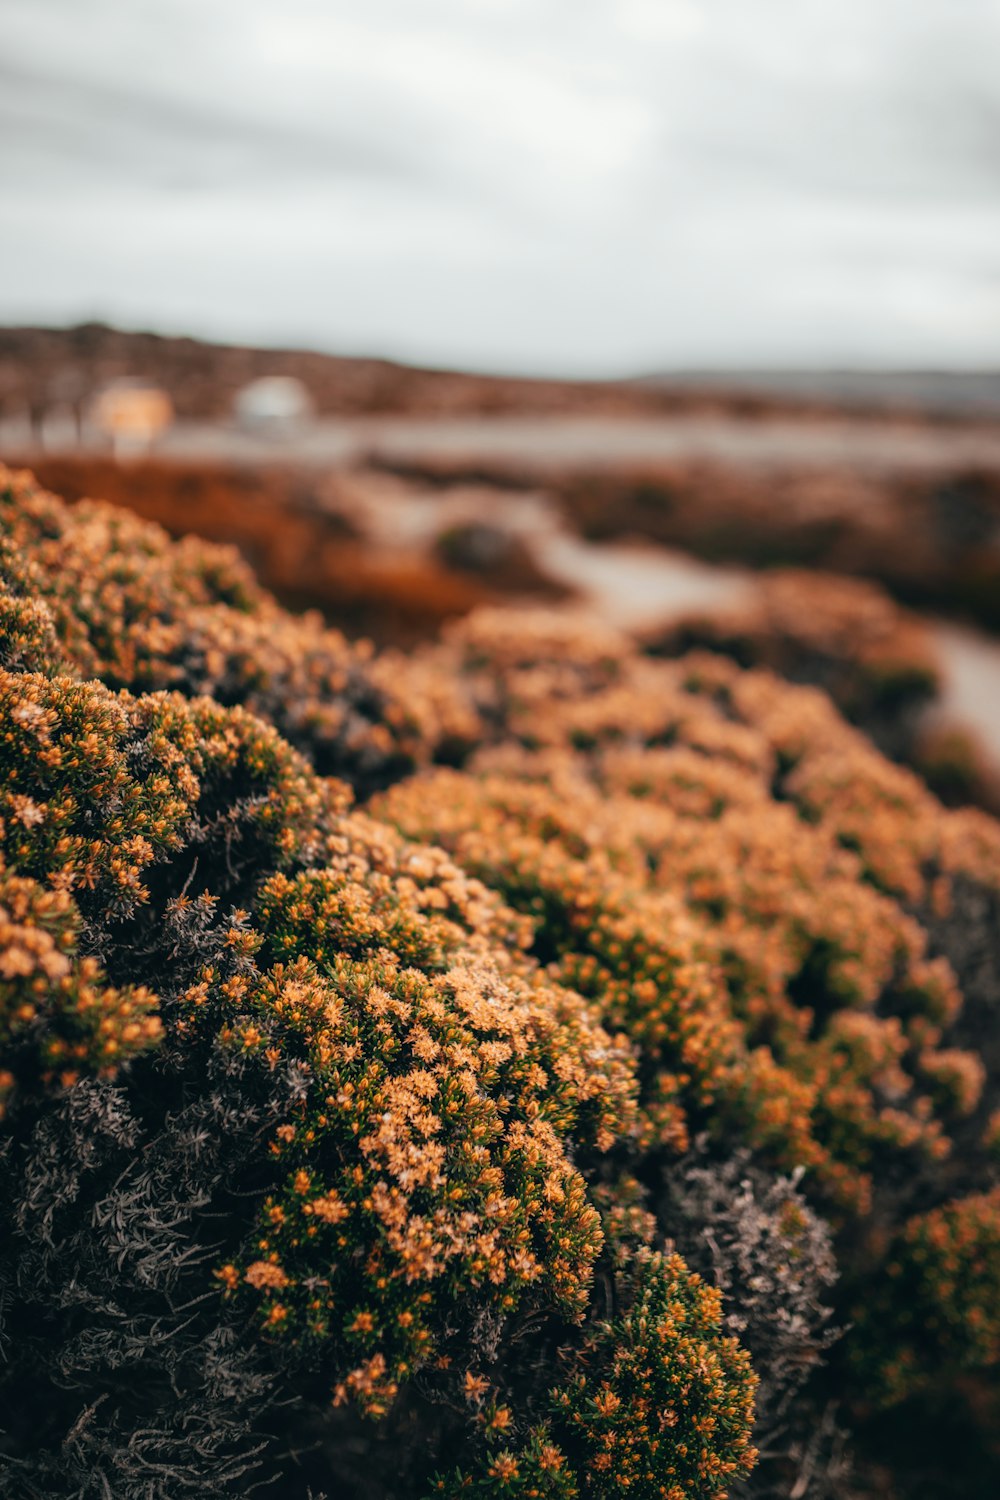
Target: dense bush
474,1142
145,613
939,1297
768,979
845,635
655,1404
877,661
362,1111
755,1237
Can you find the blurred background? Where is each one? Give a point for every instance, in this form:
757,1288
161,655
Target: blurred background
686,312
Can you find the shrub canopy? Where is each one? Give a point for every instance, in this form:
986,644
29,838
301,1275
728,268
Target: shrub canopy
360,1146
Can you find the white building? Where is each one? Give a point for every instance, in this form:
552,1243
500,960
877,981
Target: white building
274,403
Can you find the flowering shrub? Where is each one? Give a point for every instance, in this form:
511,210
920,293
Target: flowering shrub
28,638
143,612
396,1103
346,1147
661,1378
394,1096
430,1160
765,981
657,1402
635,808
58,1015
842,634
937,1306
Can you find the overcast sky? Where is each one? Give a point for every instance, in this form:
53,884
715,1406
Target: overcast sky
588,186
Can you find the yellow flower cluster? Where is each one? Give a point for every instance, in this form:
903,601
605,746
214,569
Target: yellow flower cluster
730,871
664,1404
144,612
101,790
432,1151
58,1015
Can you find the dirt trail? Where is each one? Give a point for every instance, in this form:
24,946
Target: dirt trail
971,686
633,584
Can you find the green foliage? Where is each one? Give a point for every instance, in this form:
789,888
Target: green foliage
59,1018
935,1311
656,1403
664,1404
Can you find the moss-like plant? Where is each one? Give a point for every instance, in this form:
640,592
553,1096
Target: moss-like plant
657,1402
935,1313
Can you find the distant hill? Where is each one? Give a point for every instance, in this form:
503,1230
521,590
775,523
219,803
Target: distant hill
972,393
40,367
